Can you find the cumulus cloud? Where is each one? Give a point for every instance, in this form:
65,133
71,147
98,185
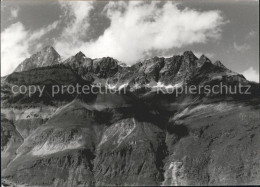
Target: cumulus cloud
14,48
241,48
36,35
76,14
137,28
15,43
251,74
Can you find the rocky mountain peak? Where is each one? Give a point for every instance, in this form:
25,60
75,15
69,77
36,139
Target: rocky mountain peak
80,55
203,60
204,57
49,49
219,64
108,62
46,57
189,55
105,67
49,53
168,71
78,58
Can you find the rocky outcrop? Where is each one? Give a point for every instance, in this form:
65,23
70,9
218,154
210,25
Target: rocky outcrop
102,68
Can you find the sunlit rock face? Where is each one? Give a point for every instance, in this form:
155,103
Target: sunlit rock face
46,57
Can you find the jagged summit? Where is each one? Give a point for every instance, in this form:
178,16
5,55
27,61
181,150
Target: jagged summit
101,67
168,71
203,60
46,57
190,56
219,64
187,62
49,49
80,54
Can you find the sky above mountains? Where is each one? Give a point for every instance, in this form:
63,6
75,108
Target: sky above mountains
131,31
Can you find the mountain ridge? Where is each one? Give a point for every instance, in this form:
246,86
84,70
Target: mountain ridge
45,57
49,51
133,138
149,73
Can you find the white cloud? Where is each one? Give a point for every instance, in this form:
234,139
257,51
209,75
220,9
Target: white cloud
251,74
77,15
36,35
14,48
14,13
15,43
241,48
137,28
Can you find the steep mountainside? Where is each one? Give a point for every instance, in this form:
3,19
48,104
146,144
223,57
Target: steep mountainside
136,137
46,57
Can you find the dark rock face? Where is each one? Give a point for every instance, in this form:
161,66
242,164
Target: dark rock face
46,57
101,68
80,64
130,138
44,78
152,67
57,74
189,64
135,164
207,155
105,67
203,60
169,72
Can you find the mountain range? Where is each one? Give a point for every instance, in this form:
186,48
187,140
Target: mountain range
139,137
178,69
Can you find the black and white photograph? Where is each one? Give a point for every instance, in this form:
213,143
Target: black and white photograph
130,93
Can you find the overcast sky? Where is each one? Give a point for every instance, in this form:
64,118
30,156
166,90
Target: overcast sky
129,31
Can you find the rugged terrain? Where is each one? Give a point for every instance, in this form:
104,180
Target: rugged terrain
136,137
